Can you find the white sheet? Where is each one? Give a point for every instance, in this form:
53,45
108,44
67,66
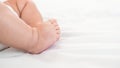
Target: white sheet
90,36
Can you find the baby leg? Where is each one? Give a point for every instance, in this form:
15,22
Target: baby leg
27,11
14,32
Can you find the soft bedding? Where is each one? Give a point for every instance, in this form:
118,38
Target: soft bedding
90,36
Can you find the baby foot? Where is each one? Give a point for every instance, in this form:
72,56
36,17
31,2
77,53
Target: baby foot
48,34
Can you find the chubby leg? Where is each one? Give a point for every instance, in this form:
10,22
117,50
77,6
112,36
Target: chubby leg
16,33
27,11
13,31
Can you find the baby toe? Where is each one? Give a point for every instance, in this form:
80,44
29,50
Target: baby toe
57,28
58,31
57,37
54,22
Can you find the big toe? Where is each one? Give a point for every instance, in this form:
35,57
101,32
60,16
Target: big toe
54,22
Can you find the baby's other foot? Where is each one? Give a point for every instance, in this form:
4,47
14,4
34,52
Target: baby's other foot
48,34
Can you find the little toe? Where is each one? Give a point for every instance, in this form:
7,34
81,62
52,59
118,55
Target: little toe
57,37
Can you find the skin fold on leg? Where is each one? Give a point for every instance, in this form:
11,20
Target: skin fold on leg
25,10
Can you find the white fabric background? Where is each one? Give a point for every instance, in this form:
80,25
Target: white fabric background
2,0
90,36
